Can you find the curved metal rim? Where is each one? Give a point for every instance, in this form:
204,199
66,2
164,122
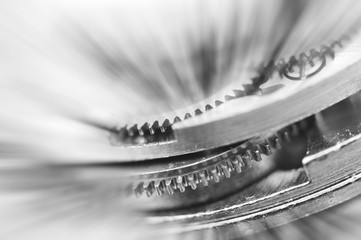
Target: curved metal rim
197,134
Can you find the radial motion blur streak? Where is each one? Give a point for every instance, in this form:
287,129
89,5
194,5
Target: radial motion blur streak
76,73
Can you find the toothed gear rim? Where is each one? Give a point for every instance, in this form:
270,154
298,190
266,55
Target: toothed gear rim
156,132
220,166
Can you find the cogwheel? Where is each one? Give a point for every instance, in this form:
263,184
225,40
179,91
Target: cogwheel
296,68
215,166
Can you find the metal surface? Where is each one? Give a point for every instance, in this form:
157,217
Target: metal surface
329,153
265,196
331,174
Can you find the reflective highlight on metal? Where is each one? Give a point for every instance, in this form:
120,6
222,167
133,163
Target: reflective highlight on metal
331,174
302,99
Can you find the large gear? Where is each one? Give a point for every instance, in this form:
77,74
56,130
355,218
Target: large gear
188,136
316,60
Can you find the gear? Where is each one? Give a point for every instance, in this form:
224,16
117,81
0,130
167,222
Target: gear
293,69
202,170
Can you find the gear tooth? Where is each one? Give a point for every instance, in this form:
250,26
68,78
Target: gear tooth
185,181
230,165
254,89
145,185
180,183
306,59
279,135
174,183
144,128
150,129
203,177
137,130
191,181
214,173
250,155
249,88
291,64
314,53
169,185
165,125
155,126
176,119
292,60
219,169
261,148
286,136
228,98
271,142
225,168
149,188
325,50
133,130
305,124
267,149
198,112
208,174
156,186
277,143
138,189
257,155
140,131
240,160
236,165
187,115
246,159
295,130
218,103
162,186
208,107
196,178
238,93
148,192
159,187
